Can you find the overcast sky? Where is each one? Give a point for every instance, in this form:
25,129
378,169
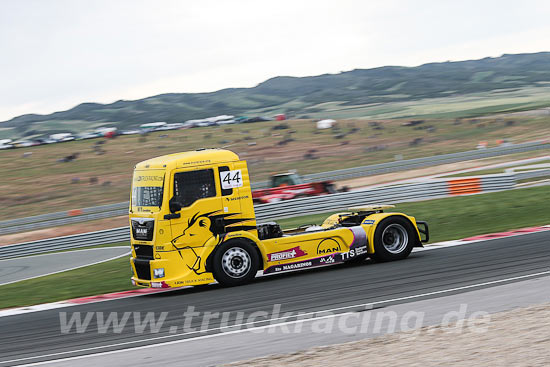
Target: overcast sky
55,54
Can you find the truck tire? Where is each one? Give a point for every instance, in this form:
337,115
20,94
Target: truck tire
394,239
235,263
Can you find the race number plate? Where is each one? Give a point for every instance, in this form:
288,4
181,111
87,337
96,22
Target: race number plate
231,179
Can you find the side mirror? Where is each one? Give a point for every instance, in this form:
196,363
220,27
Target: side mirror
174,205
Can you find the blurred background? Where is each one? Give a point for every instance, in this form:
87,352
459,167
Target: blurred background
442,108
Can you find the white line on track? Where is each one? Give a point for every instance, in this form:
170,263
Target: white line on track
63,270
365,306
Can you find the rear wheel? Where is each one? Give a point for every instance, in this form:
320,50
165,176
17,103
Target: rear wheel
235,263
394,239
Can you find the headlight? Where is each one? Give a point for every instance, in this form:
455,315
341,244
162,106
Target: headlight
158,273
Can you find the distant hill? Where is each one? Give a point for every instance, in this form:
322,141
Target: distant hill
305,96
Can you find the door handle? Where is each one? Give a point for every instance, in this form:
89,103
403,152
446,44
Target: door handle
172,216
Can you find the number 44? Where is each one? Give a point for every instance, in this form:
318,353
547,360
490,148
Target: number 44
231,179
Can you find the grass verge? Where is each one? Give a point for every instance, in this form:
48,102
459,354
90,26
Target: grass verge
110,276
449,218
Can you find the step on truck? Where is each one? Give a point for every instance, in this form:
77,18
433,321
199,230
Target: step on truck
192,222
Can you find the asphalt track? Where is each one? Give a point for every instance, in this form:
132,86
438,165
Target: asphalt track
14,270
425,275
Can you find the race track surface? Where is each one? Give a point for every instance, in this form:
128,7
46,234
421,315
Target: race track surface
35,337
14,270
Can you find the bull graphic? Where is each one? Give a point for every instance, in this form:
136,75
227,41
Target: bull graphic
202,229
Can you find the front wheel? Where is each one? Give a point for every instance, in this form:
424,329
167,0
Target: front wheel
235,263
394,239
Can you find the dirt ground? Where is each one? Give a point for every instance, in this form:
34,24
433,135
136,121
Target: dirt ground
515,338
79,174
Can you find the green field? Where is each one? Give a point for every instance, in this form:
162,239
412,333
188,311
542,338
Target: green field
454,106
33,181
449,218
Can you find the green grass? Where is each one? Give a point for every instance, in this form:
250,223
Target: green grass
533,179
449,218
110,276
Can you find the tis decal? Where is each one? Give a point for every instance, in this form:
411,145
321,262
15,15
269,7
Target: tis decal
201,229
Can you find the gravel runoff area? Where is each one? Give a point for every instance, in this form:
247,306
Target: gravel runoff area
520,337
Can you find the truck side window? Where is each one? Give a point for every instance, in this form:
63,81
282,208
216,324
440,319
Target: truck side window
225,192
194,185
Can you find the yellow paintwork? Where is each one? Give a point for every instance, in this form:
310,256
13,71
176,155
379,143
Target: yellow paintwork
182,245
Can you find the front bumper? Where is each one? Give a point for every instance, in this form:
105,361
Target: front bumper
176,272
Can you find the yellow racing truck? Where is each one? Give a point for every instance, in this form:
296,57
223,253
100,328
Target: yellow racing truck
192,222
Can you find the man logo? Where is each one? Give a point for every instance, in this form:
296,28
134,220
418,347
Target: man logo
328,246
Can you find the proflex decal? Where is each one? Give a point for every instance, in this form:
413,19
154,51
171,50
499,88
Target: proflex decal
286,254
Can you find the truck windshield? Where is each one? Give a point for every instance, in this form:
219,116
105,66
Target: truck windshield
148,186
147,196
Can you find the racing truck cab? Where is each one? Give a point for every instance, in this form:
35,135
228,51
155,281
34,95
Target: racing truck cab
192,222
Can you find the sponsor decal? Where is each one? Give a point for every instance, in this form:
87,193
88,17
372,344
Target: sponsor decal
149,178
297,265
369,221
197,162
353,253
328,246
141,231
327,260
323,260
237,198
286,254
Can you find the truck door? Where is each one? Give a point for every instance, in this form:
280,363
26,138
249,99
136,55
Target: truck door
199,196
196,192
208,210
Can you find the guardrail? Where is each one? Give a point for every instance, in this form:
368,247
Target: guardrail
404,165
66,242
291,208
532,174
118,209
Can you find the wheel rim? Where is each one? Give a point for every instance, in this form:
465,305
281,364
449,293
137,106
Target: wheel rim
236,262
395,238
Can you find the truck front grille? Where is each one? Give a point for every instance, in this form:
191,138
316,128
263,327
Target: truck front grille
143,228
144,251
143,269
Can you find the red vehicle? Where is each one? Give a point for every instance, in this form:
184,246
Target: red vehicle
285,186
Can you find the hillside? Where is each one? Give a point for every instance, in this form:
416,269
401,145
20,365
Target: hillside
356,92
